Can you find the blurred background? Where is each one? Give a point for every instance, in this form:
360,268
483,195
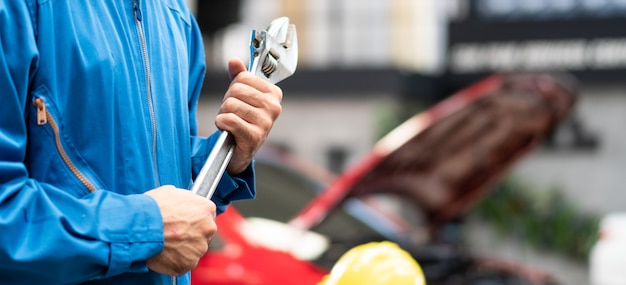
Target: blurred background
367,65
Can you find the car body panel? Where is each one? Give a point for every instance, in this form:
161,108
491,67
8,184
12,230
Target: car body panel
242,262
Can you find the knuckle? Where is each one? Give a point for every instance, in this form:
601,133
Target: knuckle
208,229
276,110
247,76
212,230
278,91
210,206
230,104
226,121
230,119
238,86
258,136
193,264
204,248
265,126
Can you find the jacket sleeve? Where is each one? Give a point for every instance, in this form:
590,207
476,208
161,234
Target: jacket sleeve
46,235
229,188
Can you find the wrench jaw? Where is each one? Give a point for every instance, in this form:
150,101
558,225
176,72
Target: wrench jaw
274,52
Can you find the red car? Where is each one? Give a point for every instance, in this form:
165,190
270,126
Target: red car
431,170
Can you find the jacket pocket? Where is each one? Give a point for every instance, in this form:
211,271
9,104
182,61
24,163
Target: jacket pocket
52,158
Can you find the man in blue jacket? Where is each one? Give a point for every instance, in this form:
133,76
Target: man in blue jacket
99,144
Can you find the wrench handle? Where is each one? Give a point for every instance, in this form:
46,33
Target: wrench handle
211,172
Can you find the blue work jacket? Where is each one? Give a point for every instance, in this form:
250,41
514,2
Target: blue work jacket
97,105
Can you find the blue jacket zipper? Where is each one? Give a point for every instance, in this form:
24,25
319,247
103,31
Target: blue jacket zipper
146,63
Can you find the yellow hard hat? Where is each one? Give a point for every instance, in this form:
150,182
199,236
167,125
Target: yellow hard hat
375,263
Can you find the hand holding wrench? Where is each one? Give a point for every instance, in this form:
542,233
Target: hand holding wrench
273,57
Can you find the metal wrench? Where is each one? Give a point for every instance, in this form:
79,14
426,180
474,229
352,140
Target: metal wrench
273,57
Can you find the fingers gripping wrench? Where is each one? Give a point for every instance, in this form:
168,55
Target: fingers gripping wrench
273,57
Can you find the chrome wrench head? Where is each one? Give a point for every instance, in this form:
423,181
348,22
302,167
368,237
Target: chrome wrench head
274,52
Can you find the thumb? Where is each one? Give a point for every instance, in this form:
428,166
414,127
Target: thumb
235,66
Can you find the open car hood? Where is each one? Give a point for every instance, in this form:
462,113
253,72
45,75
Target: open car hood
446,158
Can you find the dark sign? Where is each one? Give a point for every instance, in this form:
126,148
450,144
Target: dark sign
592,48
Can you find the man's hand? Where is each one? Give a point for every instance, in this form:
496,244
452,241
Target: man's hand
188,225
248,111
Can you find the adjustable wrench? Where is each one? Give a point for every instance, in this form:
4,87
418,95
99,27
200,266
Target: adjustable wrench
273,57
